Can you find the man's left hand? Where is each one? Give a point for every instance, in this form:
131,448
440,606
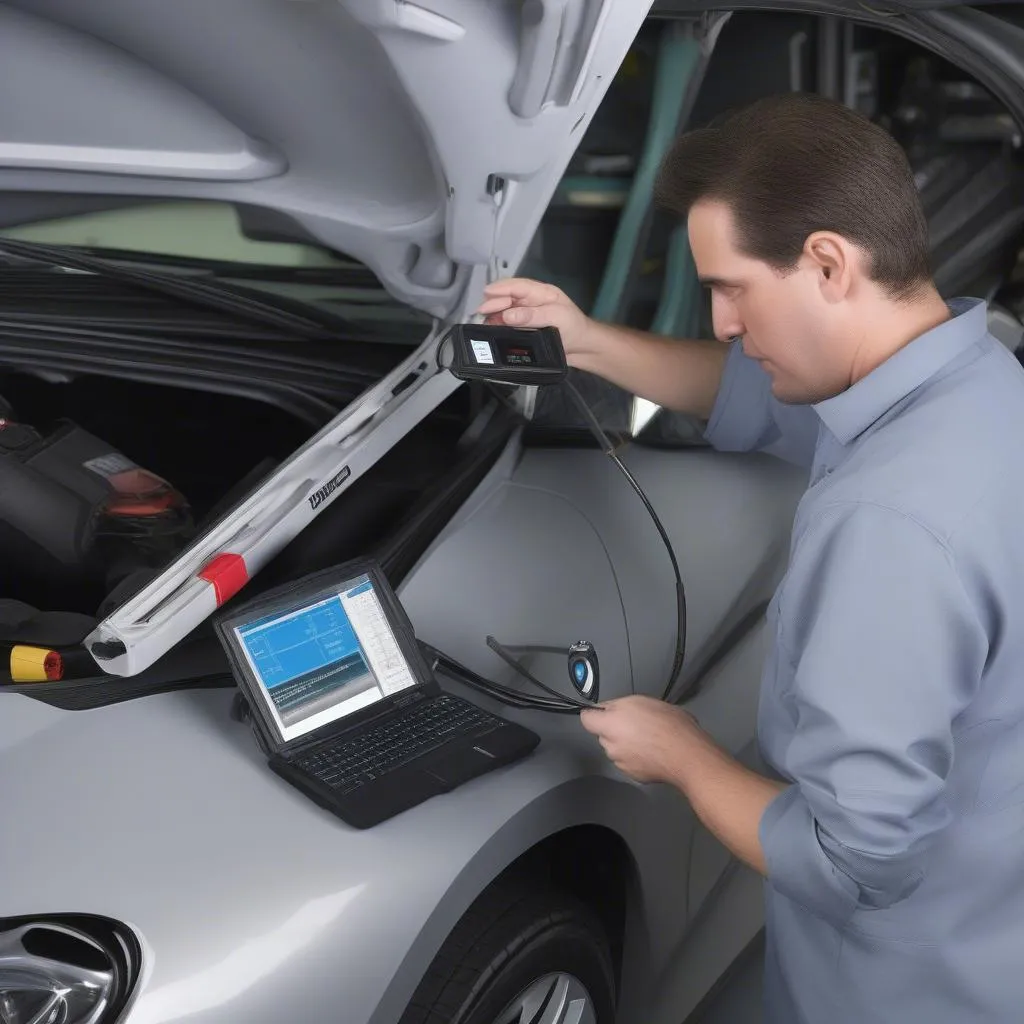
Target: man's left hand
646,738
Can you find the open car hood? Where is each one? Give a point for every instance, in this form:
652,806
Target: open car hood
422,138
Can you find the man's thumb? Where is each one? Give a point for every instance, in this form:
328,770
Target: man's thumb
518,316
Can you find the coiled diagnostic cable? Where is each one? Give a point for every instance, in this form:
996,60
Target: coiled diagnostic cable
609,450
554,701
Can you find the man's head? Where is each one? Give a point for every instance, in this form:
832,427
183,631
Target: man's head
806,225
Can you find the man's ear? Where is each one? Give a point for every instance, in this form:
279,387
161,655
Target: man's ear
832,258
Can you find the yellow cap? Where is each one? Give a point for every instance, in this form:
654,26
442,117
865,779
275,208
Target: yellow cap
35,664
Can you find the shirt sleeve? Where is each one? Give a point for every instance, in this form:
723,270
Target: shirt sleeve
885,649
747,417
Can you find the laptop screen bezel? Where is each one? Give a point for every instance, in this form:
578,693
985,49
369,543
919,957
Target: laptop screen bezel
293,597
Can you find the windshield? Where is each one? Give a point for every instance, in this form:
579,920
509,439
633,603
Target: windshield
237,244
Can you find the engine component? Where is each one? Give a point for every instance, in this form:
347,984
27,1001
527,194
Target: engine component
77,517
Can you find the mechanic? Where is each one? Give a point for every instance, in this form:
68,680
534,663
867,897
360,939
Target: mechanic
892,702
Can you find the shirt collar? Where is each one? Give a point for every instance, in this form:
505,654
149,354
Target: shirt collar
854,410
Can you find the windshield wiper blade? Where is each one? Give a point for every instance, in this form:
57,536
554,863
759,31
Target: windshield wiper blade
344,272
311,323
31,287
310,370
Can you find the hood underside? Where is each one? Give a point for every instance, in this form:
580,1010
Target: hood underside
401,134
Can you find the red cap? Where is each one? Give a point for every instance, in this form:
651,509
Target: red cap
53,666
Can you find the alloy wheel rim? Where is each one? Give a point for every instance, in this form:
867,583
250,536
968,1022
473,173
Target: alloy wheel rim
553,999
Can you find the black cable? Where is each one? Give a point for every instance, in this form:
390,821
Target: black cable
441,662
609,450
583,705
535,649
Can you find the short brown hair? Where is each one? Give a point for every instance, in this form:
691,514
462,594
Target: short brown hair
790,165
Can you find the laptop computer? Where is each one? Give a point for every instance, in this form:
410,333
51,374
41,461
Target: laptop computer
344,703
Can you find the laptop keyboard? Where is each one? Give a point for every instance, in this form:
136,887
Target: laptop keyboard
348,764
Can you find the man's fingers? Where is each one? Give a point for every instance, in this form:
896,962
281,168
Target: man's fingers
510,286
495,305
520,288
596,719
518,316
499,311
522,291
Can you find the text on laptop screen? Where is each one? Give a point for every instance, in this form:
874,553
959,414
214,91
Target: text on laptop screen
323,661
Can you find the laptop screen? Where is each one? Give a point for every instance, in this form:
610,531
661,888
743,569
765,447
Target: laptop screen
324,660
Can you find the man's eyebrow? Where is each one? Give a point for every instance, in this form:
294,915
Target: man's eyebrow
716,282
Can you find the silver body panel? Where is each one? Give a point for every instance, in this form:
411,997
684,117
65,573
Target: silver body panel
253,904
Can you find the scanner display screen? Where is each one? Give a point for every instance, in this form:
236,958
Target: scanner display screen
530,356
518,355
320,662
508,353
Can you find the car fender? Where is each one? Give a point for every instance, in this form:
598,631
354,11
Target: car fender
252,903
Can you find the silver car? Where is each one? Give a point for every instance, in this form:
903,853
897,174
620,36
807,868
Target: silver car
232,233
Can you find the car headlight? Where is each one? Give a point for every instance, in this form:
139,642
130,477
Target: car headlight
67,970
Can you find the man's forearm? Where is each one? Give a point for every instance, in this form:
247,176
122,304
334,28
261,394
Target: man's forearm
680,374
728,798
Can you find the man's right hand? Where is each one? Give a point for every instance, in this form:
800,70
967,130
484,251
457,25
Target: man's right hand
676,373
520,302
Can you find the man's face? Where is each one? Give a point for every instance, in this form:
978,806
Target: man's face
783,319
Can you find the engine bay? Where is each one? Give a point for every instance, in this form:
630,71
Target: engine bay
189,457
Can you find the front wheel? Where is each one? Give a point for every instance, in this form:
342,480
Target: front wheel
520,956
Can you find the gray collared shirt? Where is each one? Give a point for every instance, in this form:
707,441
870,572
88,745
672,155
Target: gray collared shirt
893,696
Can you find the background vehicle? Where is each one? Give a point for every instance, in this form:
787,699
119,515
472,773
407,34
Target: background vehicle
149,851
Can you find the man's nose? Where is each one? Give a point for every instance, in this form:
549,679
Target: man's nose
727,325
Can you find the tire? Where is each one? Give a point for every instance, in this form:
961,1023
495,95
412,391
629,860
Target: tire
516,956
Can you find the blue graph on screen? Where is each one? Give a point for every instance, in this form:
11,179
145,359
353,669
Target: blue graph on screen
292,647
308,662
